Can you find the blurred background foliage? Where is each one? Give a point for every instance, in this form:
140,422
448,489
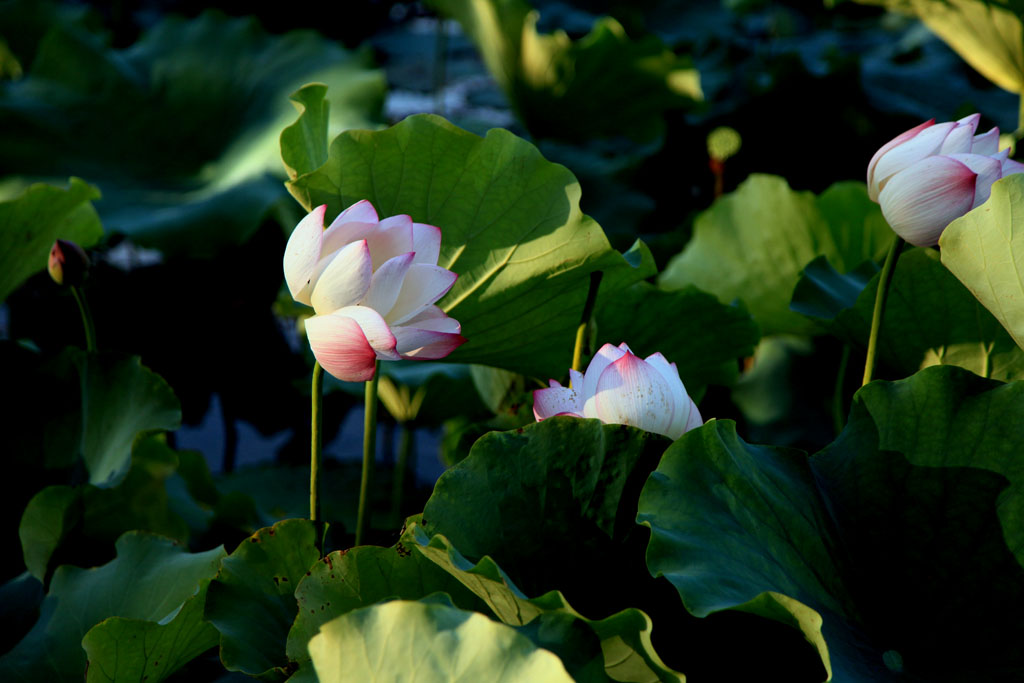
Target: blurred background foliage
715,131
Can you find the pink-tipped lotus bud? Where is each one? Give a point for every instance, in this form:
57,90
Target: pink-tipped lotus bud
68,263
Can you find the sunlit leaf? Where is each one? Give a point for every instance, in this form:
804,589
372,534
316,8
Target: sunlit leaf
752,245
436,641
987,35
985,250
510,222
360,577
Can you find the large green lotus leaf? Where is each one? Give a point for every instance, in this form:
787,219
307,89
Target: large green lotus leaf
897,550
510,222
752,245
625,636
546,502
151,579
46,522
987,35
562,478
252,599
360,577
560,87
431,641
930,319
83,523
121,649
31,222
121,399
702,336
985,250
195,167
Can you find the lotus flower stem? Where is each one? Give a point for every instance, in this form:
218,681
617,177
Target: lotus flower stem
884,280
588,310
369,451
316,443
87,323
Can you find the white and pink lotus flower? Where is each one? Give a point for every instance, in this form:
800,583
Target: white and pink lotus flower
620,388
372,284
935,173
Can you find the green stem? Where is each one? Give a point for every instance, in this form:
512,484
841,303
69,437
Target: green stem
838,414
369,450
90,329
401,470
588,311
316,443
1020,119
884,280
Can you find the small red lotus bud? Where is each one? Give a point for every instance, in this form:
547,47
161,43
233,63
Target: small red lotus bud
68,263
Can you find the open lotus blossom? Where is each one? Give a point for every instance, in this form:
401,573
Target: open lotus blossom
935,173
372,284
620,388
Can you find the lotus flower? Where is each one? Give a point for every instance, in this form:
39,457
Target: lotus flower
372,284
620,388
935,173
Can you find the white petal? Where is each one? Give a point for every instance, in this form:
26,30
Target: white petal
555,401
426,242
360,212
423,344
988,169
1010,167
632,392
920,201
345,279
986,143
392,237
303,252
695,420
921,146
680,401
605,356
576,379
961,138
341,347
424,284
898,140
351,225
380,337
387,283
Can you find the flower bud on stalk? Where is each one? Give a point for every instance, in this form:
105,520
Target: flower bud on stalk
68,264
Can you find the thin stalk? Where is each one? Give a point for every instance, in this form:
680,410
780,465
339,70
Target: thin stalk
838,414
884,280
588,311
405,444
316,442
87,323
369,450
1020,119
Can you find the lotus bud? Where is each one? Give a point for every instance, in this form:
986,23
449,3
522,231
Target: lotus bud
934,173
68,264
